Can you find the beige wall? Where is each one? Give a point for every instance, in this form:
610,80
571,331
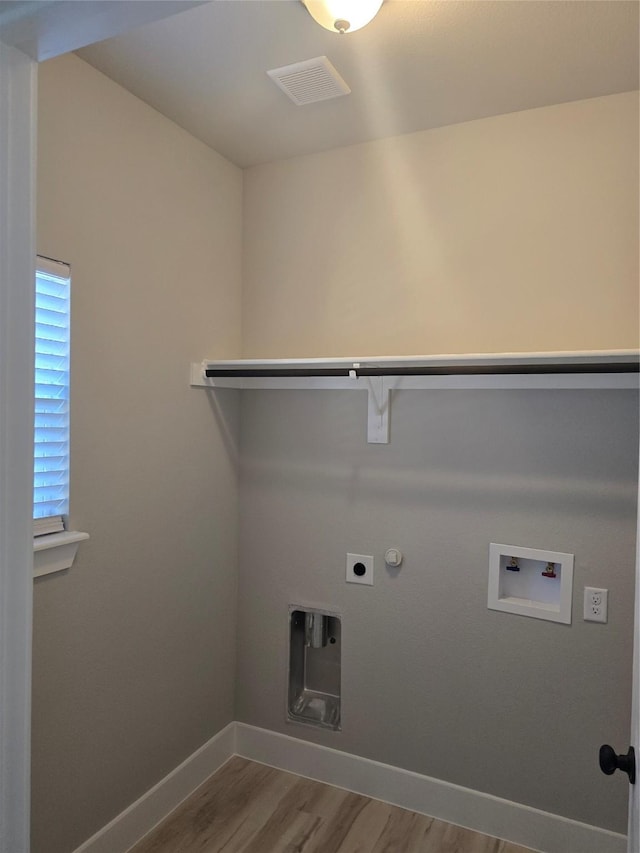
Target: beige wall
514,233
133,647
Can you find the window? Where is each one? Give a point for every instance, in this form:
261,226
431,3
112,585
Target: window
51,433
54,547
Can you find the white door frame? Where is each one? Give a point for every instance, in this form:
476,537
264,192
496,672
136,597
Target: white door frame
17,258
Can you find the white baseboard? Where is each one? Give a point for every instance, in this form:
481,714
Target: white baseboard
462,806
125,830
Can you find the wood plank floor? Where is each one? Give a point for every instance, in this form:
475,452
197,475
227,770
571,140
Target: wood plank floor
250,808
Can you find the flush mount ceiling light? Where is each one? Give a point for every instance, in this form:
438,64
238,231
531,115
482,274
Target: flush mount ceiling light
342,16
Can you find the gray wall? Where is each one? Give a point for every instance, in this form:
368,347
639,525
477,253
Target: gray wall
133,660
432,680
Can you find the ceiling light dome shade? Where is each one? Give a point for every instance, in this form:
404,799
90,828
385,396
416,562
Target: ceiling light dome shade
343,16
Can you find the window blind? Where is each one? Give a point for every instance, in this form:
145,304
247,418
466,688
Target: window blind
51,433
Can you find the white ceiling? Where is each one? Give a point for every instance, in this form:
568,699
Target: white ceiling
420,64
46,28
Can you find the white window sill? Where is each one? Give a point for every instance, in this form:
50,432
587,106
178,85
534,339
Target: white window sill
55,551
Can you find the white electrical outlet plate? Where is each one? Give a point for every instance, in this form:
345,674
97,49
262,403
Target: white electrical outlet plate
595,604
360,569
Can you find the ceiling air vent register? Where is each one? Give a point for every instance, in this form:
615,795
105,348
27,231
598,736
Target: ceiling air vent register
309,81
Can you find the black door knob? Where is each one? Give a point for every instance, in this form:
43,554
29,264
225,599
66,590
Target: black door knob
610,762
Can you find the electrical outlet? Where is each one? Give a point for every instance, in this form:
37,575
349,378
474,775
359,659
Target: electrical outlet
595,604
360,569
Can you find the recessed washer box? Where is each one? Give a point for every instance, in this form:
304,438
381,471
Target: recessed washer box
530,582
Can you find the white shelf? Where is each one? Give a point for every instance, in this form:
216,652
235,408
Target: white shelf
380,375
528,362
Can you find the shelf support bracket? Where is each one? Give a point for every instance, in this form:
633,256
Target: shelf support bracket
378,410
